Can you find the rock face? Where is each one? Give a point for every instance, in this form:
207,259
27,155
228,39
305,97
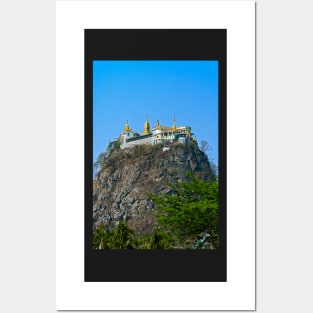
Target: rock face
120,187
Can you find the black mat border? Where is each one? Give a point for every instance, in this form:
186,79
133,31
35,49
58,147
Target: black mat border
155,265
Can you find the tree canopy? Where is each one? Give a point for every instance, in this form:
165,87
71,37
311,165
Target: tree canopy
187,219
190,212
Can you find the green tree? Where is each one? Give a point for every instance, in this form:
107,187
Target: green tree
99,162
122,237
159,240
190,212
100,238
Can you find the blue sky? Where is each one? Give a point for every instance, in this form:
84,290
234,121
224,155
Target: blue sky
158,89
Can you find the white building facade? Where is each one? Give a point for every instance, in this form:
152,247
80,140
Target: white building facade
158,135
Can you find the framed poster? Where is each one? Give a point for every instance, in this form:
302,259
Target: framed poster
107,43
189,68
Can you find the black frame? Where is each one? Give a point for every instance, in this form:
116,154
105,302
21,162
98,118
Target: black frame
155,265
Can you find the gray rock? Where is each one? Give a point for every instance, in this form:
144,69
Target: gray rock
121,186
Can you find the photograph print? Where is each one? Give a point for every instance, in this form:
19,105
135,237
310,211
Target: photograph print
155,153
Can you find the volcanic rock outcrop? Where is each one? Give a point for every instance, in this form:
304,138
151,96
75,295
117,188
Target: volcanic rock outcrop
126,176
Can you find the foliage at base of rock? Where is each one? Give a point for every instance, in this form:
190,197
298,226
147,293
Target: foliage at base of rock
186,219
190,213
122,237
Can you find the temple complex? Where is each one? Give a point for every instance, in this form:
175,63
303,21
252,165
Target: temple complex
157,135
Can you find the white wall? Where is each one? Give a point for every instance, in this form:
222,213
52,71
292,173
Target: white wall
137,142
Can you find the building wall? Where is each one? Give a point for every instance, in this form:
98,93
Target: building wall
158,136
142,141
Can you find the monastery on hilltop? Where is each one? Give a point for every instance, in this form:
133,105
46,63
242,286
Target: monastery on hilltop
158,135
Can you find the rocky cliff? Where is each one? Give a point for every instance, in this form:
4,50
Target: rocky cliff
120,187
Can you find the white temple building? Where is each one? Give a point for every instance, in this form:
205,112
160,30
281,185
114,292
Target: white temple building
158,135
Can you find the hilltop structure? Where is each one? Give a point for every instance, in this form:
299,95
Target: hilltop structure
158,135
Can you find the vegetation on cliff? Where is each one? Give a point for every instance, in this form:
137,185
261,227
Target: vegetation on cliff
147,198
190,213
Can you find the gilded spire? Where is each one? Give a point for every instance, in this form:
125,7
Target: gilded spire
174,123
127,129
158,124
146,128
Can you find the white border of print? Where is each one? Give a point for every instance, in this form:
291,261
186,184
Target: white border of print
238,293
